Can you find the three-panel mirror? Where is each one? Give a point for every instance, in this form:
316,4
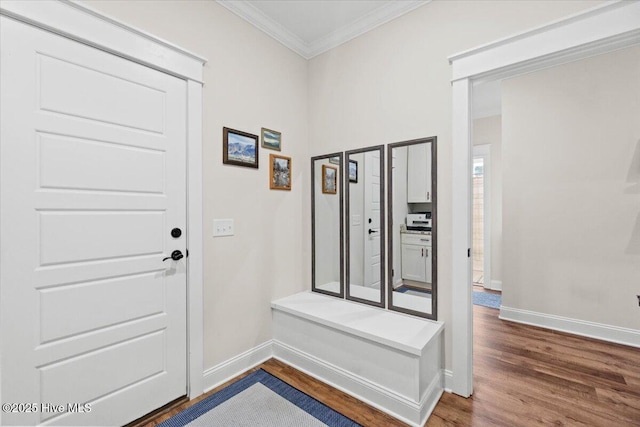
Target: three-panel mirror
327,260
408,278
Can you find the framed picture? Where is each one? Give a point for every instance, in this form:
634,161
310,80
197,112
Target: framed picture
279,172
353,171
335,160
239,148
271,139
329,179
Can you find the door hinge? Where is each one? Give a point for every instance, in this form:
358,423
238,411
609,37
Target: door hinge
468,252
393,273
187,251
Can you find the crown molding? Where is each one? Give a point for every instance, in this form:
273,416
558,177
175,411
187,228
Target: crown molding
370,21
258,19
376,18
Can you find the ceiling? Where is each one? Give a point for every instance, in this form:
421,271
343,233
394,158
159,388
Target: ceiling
311,27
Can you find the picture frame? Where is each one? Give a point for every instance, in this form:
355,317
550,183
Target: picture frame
271,139
239,148
279,172
335,160
353,171
329,179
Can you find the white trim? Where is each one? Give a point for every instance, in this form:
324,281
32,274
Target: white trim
88,26
603,29
85,25
496,285
406,410
195,273
223,372
585,31
447,376
258,19
614,334
374,19
461,275
484,152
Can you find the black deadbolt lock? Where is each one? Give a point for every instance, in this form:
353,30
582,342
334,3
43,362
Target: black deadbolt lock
176,232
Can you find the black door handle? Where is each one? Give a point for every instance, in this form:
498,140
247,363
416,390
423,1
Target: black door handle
371,231
175,255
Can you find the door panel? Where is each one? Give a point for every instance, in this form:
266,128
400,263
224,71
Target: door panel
372,242
102,94
80,164
92,180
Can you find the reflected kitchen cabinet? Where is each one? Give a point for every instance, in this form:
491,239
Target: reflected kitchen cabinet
419,173
416,257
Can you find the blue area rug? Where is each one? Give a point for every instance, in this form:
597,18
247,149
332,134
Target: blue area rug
486,299
317,410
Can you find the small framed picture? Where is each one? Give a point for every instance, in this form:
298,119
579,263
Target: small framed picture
353,171
271,139
329,179
239,148
335,160
279,172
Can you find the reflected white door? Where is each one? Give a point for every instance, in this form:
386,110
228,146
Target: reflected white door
92,182
372,201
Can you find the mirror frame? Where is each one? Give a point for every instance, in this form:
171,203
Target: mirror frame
434,227
313,224
381,303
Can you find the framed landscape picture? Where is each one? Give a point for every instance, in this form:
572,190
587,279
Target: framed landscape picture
271,139
329,179
279,172
353,171
239,148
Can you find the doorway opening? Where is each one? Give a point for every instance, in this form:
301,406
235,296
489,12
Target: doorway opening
478,221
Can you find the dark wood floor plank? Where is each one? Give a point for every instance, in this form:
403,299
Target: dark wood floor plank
523,376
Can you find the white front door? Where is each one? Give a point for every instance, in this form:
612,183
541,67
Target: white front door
372,201
92,168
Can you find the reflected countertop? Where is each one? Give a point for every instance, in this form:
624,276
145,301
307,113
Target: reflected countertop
403,229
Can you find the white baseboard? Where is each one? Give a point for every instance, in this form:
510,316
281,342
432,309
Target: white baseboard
411,412
235,366
448,380
496,285
615,334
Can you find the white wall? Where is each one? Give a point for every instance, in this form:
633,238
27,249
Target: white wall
571,150
251,81
488,130
327,228
393,84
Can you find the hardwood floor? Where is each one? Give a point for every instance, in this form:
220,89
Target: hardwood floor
523,376
527,376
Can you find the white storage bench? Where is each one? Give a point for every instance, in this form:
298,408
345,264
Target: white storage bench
390,360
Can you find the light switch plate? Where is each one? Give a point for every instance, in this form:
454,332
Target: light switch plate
223,227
